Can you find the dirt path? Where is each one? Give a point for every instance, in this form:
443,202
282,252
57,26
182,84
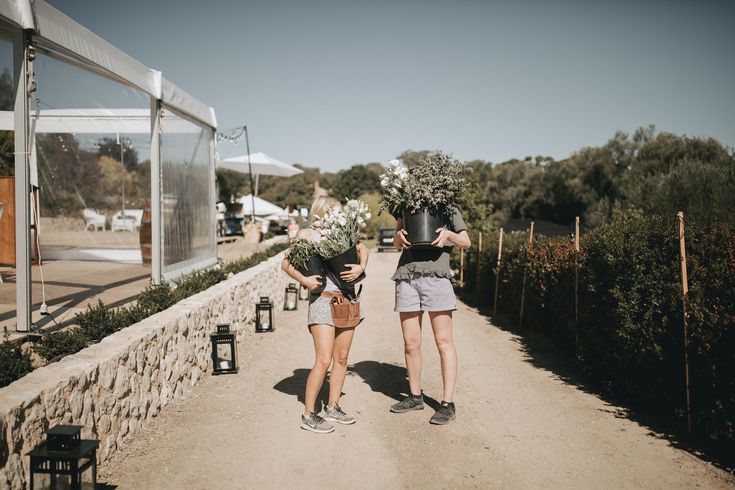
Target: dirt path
518,426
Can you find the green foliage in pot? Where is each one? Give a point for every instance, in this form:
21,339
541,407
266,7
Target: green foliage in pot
300,252
437,184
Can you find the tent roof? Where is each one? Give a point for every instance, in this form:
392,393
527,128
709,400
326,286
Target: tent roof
64,36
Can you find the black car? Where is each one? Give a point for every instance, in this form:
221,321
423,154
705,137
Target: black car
385,239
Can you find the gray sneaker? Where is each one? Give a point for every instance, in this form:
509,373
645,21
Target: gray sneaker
315,423
445,414
411,402
338,415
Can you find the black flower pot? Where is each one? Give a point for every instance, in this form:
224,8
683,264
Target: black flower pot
314,267
421,227
336,265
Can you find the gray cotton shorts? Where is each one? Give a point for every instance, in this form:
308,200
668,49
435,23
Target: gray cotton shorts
425,293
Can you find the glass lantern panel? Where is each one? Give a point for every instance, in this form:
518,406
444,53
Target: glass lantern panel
291,299
264,319
224,356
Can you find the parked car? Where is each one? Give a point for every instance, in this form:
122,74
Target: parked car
385,239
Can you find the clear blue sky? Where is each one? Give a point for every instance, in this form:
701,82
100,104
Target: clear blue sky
331,84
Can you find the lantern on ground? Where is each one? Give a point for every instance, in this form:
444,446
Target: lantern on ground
290,298
303,293
264,315
65,460
224,350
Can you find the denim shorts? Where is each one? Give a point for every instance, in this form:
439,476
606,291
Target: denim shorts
425,293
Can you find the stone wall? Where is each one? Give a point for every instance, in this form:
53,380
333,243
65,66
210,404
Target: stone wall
115,387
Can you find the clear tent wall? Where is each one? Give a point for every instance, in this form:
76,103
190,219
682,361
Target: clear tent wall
106,170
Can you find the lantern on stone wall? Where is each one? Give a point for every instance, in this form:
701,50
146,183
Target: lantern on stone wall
290,298
264,315
224,350
65,460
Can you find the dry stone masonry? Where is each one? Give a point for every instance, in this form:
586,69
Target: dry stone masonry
115,387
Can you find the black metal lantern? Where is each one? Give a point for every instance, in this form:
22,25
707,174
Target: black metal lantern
290,298
303,293
264,315
65,460
224,350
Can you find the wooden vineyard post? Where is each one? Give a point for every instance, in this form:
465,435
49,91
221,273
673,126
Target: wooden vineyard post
479,262
576,270
497,271
525,270
461,268
684,293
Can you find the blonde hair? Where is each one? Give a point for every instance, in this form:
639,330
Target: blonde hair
320,206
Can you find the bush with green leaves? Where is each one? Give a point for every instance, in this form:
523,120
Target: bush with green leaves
62,343
301,251
629,337
14,363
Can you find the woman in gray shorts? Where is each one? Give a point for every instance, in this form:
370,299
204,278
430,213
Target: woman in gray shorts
331,345
424,284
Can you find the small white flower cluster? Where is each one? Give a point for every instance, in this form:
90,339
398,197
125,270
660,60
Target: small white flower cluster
341,227
393,182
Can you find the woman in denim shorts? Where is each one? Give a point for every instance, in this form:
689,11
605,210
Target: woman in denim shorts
331,345
424,284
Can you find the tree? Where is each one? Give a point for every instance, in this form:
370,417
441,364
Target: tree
109,147
411,158
357,180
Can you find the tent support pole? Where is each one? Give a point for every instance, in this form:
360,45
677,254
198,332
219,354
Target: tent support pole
156,221
22,70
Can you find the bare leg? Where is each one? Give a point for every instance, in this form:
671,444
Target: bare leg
441,324
411,326
342,343
323,345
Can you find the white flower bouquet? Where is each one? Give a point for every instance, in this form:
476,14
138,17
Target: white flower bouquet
340,234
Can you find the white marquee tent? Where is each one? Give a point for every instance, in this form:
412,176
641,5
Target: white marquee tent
34,29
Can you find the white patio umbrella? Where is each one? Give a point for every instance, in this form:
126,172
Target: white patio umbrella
261,164
262,207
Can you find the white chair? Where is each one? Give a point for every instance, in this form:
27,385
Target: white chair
130,222
93,220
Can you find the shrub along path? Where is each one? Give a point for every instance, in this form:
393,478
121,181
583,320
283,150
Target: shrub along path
518,426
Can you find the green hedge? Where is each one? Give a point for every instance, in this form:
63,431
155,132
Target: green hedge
99,321
14,363
629,337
